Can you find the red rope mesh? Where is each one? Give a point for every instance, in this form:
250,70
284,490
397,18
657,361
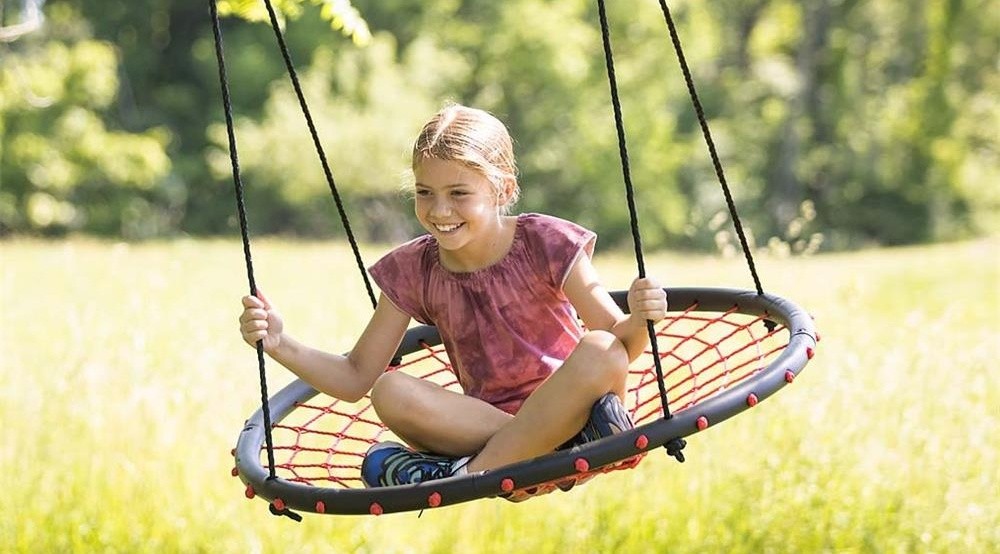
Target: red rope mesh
322,442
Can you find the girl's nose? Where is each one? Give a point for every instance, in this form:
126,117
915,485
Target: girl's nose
441,206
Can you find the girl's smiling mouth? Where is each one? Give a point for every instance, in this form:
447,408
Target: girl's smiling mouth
447,228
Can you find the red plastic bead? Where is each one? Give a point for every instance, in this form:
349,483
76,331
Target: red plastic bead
789,376
375,509
235,472
434,500
581,465
279,504
752,400
507,485
641,442
702,423
320,507
809,353
250,492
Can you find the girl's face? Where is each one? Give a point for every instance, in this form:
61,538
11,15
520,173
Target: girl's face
458,206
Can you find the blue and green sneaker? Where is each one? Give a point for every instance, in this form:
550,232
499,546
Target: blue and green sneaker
389,463
607,417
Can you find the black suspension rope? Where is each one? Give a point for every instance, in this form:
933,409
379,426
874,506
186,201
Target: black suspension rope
711,144
293,75
673,447
245,235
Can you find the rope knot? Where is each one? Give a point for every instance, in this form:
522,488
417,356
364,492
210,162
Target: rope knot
285,512
675,448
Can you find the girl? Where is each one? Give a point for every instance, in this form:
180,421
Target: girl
506,294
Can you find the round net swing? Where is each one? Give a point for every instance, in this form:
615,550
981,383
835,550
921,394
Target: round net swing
720,357
717,353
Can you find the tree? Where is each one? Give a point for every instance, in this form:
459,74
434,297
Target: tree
851,122
61,167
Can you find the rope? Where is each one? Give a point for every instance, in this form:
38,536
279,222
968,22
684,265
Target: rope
293,75
633,216
711,144
245,235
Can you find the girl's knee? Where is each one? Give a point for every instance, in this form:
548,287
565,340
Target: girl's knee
605,354
605,345
390,392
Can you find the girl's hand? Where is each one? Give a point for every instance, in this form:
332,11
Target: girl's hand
261,322
647,299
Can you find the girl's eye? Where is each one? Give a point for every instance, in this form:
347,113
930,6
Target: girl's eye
423,192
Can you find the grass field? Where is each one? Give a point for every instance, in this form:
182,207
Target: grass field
123,385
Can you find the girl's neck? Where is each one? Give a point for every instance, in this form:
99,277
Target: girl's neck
486,250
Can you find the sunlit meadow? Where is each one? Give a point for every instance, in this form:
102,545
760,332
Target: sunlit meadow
124,384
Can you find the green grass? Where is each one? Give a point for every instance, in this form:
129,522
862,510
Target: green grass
124,384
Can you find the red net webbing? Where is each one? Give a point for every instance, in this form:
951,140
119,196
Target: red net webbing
322,441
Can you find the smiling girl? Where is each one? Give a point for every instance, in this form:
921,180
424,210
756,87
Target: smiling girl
507,294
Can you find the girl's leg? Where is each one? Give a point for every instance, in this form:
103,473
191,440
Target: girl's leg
433,419
559,408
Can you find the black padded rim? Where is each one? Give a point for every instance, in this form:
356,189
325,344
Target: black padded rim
454,490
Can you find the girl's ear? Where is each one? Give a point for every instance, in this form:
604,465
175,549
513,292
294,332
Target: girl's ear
506,192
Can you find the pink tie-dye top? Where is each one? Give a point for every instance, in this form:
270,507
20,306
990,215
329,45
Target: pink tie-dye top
505,327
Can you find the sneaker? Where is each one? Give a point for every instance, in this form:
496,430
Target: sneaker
389,463
607,417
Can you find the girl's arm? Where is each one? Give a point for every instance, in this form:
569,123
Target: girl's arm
596,308
345,377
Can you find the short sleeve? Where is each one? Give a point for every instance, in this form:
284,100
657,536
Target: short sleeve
399,275
558,244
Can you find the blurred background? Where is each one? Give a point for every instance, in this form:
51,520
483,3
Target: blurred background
841,123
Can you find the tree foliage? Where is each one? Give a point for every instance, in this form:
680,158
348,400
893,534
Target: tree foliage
839,123
62,167
340,13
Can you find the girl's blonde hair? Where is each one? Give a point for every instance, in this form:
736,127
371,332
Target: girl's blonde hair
475,138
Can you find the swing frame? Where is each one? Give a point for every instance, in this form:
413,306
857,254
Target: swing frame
591,457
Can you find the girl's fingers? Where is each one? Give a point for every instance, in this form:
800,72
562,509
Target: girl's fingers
646,283
257,313
650,294
258,301
254,325
266,303
650,298
254,331
252,314
255,321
